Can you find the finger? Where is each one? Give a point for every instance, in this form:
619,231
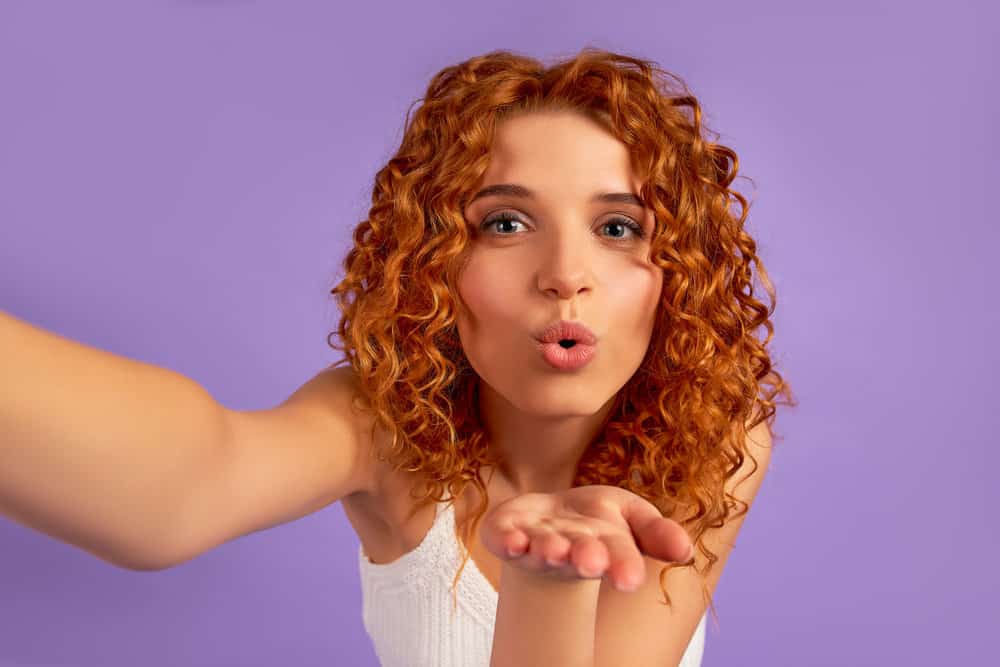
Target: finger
626,569
589,556
656,535
548,547
666,540
506,545
505,539
515,543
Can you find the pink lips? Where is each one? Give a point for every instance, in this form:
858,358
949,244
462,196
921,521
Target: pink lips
567,359
582,349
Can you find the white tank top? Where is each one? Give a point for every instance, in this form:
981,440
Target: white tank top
407,605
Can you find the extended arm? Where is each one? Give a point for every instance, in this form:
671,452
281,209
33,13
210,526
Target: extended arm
97,450
141,467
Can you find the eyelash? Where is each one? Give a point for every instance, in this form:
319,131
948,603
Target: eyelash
634,226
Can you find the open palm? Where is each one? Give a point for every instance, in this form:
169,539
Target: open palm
585,532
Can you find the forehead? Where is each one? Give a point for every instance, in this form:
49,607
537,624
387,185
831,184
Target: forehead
558,150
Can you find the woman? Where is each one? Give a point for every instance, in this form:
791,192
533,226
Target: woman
550,369
522,197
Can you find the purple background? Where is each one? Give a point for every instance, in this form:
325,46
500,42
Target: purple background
178,183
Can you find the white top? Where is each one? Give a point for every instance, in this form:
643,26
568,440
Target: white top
407,605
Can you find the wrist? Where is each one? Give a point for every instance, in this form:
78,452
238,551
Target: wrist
514,577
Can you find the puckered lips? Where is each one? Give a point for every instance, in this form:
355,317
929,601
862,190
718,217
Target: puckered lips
567,346
566,330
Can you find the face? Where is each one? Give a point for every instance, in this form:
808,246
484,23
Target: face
558,253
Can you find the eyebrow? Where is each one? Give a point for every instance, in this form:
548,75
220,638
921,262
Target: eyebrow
514,190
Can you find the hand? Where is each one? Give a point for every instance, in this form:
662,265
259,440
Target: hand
586,532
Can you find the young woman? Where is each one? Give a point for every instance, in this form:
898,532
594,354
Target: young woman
550,374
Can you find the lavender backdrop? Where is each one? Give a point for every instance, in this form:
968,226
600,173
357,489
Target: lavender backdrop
178,182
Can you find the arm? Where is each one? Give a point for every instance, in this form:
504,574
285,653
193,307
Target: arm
141,467
96,449
281,464
544,621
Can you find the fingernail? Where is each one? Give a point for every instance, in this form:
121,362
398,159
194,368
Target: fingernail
626,585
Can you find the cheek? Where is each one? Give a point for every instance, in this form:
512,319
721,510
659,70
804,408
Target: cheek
638,296
487,294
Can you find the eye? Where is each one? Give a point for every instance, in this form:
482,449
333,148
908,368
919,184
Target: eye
507,217
620,221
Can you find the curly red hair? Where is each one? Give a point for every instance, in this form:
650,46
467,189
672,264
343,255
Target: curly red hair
677,430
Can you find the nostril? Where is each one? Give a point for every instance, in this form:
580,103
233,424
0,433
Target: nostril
567,343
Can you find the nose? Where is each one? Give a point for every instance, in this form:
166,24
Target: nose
564,267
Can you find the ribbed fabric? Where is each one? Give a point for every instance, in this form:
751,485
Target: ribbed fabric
407,605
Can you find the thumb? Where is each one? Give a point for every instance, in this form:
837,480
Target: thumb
656,535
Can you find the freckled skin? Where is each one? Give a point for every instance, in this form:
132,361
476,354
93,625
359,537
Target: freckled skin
563,257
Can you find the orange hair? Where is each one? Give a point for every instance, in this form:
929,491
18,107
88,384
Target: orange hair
677,429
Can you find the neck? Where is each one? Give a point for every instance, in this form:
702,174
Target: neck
539,453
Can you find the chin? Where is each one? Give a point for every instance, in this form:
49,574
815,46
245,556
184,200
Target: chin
557,399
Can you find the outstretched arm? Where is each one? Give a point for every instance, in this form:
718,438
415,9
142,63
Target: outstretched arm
96,449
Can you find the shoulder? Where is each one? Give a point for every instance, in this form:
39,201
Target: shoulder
281,463
336,392
382,491
322,431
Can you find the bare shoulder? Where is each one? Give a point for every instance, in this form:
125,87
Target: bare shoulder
333,425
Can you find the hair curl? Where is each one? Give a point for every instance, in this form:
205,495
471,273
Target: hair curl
676,432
